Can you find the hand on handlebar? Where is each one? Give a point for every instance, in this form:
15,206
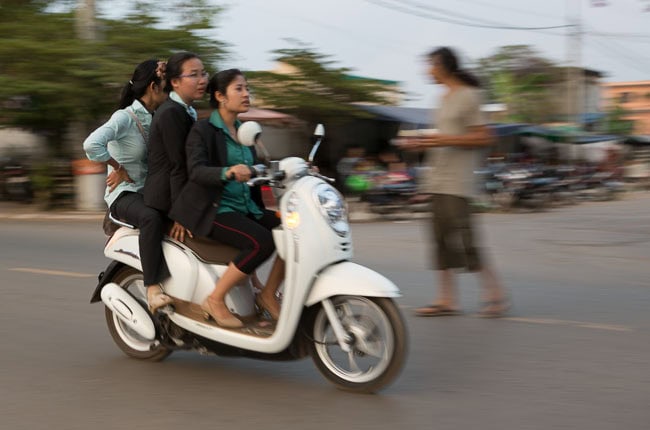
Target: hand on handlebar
239,173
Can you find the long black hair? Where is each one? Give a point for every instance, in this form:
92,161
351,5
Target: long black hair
219,82
449,61
143,75
175,67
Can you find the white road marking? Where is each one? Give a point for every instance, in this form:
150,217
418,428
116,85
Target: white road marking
582,324
552,321
52,272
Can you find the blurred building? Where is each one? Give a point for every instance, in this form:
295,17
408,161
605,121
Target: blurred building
576,96
16,142
634,99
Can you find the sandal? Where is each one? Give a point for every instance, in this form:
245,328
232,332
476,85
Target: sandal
158,300
259,301
436,311
494,308
229,321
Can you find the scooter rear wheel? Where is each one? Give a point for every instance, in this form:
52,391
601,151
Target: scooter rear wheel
379,343
127,339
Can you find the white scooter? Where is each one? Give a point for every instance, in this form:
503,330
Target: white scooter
339,312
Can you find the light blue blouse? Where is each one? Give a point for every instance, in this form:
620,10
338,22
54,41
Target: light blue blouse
121,138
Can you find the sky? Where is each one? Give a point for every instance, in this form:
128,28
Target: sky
388,39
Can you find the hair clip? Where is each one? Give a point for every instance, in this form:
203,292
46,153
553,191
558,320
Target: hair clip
161,69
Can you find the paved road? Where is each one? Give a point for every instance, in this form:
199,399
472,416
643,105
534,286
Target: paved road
573,354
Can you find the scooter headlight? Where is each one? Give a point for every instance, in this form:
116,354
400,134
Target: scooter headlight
332,207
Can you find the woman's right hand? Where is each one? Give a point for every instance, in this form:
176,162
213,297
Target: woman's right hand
241,172
116,177
178,232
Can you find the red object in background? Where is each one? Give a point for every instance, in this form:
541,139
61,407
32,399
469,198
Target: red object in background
268,198
83,166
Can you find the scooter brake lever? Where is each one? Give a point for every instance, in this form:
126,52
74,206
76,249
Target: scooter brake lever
255,181
324,178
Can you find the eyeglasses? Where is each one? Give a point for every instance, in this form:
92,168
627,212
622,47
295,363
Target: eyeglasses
195,75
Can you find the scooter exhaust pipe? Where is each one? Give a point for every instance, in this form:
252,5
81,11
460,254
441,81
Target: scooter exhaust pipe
128,310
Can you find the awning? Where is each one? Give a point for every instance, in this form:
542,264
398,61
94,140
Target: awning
637,140
547,133
502,130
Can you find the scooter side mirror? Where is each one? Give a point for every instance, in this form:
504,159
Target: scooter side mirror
318,134
320,131
248,133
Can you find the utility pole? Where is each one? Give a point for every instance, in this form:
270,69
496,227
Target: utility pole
86,30
85,23
88,177
574,72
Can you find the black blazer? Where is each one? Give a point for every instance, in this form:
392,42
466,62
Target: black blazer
166,157
196,206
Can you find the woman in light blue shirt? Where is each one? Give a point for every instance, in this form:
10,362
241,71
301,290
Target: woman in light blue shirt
121,143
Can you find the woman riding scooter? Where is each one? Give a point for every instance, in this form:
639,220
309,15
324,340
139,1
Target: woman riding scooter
218,204
121,143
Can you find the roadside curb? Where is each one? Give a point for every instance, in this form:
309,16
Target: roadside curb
47,216
357,214
355,217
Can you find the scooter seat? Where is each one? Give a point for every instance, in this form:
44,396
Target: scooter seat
211,251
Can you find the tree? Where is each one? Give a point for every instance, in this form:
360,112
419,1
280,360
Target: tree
517,76
616,121
313,89
50,79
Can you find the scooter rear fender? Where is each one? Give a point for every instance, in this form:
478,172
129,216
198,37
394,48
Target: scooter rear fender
104,278
350,279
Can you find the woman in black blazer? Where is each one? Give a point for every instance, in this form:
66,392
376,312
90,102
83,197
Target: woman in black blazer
186,82
216,202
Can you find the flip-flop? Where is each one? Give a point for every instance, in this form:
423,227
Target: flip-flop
436,311
500,308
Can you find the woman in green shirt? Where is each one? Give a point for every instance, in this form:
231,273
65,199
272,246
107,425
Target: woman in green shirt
217,203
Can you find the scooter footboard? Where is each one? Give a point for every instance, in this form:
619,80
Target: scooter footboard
349,278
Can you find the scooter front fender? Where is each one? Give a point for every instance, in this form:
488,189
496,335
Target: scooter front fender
350,279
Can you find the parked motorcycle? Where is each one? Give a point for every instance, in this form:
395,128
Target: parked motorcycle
340,313
392,192
15,184
514,186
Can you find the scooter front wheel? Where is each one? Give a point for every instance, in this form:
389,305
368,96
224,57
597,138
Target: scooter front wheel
378,343
127,339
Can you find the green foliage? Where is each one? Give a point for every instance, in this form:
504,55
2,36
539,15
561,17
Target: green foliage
314,90
517,76
50,79
616,122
